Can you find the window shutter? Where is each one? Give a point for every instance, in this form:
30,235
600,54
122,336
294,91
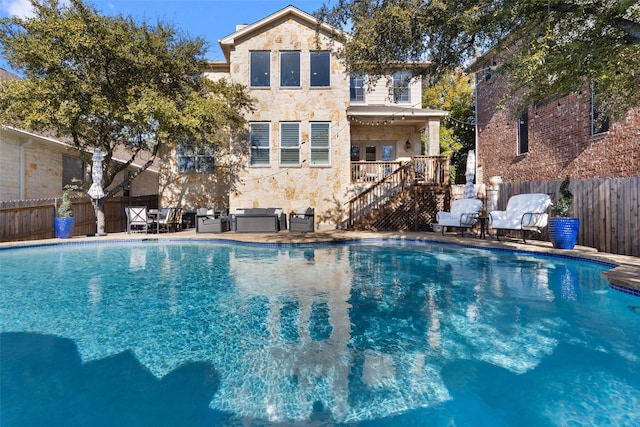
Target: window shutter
260,143
320,144
290,143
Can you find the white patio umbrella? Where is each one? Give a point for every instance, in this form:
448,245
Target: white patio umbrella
469,190
96,192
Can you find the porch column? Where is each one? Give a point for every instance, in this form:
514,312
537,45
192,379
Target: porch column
432,137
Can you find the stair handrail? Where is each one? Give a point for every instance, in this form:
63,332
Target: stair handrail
380,192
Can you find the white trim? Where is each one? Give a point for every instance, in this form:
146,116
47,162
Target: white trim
261,165
227,42
290,165
329,147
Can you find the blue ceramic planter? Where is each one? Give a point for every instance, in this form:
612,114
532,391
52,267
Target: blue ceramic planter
64,227
563,232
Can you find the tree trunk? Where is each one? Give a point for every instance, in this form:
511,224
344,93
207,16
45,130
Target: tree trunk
98,206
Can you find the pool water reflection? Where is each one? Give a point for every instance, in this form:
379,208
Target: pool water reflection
388,332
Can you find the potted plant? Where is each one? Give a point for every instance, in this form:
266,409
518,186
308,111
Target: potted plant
64,219
563,230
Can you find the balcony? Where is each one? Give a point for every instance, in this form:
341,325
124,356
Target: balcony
426,170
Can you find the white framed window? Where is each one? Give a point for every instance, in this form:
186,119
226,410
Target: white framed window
259,137
320,62
289,144
320,144
401,87
356,88
195,159
260,74
290,69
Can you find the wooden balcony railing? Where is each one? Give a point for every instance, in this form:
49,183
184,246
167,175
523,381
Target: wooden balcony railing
426,170
370,172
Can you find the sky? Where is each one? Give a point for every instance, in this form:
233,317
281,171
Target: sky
208,19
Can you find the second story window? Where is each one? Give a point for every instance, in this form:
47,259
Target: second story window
401,87
192,159
356,88
290,144
290,69
320,69
260,69
320,144
259,144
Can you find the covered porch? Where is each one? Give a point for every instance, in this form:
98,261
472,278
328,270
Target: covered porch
384,137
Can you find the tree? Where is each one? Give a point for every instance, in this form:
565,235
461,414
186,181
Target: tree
454,93
548,47
113,84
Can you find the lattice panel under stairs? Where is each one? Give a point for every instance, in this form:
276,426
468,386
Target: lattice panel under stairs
412,210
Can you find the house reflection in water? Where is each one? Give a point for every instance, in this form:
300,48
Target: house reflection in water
367,332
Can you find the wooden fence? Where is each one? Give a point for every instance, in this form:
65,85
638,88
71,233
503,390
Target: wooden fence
33,219
609,210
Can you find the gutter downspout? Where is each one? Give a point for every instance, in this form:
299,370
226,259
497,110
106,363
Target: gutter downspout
22,160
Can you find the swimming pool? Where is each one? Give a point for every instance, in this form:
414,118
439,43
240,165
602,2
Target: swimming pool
382,333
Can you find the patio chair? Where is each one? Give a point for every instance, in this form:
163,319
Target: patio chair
209,221
525,212
302,222
464,214
166,219
137,219
176,219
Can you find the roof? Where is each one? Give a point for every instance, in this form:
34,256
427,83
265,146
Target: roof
290,11
6,75
48,138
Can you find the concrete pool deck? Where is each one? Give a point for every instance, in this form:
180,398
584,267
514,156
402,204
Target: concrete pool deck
626,274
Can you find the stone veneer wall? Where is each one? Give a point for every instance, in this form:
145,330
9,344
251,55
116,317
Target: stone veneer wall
191,191
560,140
295,188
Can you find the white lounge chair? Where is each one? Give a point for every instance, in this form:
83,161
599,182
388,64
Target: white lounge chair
464,214
525,212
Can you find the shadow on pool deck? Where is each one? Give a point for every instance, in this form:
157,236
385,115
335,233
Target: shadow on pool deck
626,274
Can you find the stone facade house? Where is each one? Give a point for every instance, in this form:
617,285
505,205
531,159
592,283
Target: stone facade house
317,136
563,136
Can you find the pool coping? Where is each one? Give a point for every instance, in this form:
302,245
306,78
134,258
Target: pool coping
624,276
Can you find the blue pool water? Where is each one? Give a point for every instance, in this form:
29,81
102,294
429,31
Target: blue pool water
378,333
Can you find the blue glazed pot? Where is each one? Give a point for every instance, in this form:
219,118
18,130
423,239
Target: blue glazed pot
64,227
563,232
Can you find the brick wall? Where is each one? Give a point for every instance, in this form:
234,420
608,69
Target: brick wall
560,140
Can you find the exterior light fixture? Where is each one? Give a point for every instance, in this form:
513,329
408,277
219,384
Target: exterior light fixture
407,144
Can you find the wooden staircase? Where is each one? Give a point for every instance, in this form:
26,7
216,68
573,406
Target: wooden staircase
405,200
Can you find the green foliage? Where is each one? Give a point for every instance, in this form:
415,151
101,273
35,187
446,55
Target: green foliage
65,209
453,93
562,206
114,84
549,47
